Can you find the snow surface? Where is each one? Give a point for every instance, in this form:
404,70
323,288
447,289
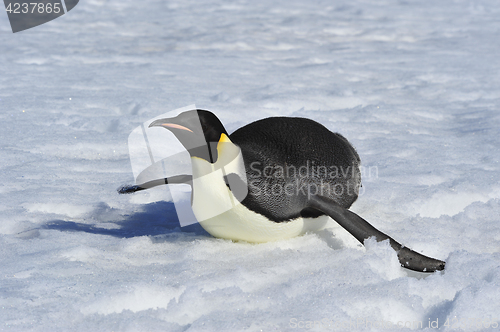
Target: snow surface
414,85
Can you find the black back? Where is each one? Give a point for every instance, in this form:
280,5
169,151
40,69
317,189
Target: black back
288,160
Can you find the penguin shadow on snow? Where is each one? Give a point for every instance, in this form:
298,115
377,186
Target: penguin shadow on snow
155,219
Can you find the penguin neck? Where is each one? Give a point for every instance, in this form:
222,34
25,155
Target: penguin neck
228,157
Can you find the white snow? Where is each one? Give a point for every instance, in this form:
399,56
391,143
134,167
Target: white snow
414,85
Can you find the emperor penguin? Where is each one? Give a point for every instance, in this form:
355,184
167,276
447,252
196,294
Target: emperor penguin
270,179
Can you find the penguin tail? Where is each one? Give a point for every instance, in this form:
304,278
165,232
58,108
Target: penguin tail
362,230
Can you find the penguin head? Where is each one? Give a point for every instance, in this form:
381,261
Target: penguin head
199,131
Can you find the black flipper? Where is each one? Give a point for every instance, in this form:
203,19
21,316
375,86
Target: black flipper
187,179
362,230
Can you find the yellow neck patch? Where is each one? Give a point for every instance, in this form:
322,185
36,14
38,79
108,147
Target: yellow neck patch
224,139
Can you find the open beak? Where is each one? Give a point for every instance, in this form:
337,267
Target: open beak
165,124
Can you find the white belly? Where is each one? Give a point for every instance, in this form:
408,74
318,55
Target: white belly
240,223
